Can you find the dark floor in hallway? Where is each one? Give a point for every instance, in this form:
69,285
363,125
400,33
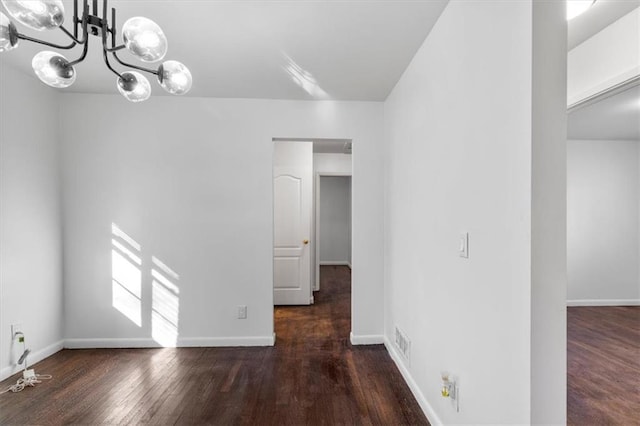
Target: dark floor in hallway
603,366
312,376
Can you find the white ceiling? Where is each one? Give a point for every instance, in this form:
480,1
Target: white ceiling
614,118
610,118
285,49
602,14
279,49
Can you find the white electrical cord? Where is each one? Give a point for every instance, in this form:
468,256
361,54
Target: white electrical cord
29,377
29,381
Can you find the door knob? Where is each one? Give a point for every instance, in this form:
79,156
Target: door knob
305,241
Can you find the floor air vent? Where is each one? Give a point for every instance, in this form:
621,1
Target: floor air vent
403,344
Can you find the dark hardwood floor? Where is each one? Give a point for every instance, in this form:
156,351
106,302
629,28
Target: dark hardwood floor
603,365
312,376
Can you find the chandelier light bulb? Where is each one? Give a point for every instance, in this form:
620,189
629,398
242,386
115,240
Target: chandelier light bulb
145,39
174,77
53,69
39,15
578,7
134,86
8,34
142,37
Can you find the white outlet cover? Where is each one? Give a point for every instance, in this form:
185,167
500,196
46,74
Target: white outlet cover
463,248
16,328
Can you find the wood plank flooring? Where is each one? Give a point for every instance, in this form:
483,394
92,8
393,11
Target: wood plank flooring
312,376
603,365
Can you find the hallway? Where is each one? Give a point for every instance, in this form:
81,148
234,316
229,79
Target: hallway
335,382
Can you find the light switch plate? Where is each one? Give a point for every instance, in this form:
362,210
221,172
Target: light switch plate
463,247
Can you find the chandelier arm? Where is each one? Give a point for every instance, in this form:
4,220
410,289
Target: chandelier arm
114,49
135,67
72,37
105,35
46,43
106,61
110,31
82,56
75,19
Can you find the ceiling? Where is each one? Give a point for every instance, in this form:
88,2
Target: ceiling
602,14
274,49
285,49
614,118
610,117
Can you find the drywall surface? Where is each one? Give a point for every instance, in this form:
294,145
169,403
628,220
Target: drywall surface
548,326
30,218
458,159
458,133
332,163
189,180
610,57
603,196
335,219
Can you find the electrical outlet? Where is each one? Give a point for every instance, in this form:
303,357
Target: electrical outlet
242,311
16,328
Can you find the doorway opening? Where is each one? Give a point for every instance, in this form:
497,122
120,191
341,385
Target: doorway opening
333,221
603,256
312,201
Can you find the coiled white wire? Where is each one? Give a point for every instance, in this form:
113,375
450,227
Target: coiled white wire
29,381
26,381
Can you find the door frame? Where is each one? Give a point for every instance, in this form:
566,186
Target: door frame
316,219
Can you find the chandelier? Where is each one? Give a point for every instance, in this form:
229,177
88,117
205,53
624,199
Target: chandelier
141,36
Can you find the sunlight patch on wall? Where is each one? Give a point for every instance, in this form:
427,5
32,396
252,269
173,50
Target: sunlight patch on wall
303,78
126,275
165,304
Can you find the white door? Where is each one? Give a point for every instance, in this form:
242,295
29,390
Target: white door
292,192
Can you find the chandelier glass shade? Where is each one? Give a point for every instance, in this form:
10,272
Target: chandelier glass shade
134,86
141,36
53,69
37,15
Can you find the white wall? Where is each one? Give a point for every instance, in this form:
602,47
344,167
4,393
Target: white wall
548,173
335,220
190,180
332,163
30,218
603,197
458,128
610,57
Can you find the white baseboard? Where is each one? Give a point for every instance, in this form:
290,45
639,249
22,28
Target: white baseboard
604,302
371,339
335,263
186,342
227,341
33,358
413,386
110,343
